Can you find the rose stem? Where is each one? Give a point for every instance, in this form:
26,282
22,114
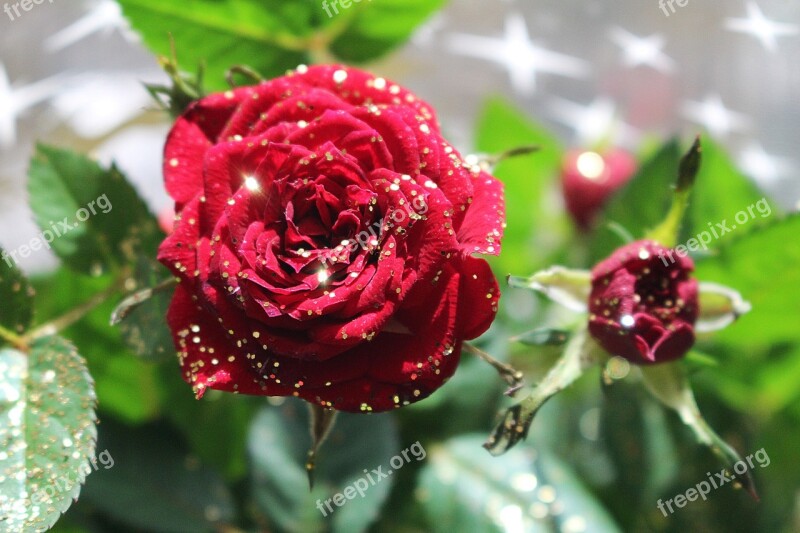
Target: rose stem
511,375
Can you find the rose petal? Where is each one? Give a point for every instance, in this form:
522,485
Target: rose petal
484,222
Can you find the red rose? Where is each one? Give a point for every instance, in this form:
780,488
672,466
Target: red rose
643,304
324,242
588,180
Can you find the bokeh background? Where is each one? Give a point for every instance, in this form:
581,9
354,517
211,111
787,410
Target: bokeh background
594,73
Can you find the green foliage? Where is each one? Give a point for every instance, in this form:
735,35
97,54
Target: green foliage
156,484
760,353
202,422
720,192
73,197
141,316
47,432
642,203
279,439
763,265
126,386
640,450
16,313
537,225
267,35
465,489
272,36
377,27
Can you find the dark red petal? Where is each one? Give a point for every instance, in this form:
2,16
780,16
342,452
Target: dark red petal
674,344
301,105
360,88
208,357
392,369
484,222
479,296
192,135
185,251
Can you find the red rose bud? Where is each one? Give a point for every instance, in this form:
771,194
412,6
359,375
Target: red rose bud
324,242
589,179
641,307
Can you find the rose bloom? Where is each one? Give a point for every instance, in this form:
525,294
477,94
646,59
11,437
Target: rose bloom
324,242
590,179
643,307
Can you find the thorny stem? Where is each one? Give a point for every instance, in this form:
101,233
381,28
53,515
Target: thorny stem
510,375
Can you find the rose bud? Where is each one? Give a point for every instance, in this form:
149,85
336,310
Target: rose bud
642,307
325,242
588,179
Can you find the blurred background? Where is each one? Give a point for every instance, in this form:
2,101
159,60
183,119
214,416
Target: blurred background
629,73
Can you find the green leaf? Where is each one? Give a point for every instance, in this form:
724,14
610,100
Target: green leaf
153,484
203,421
47,432
375,28
126,386
668,231
763,266
516,421
536,225
635,437
141,317
16,295
92,217
279,440
720,306
271,36
567,287
643,203
774,385
465,489
720,193
543,337
668,384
